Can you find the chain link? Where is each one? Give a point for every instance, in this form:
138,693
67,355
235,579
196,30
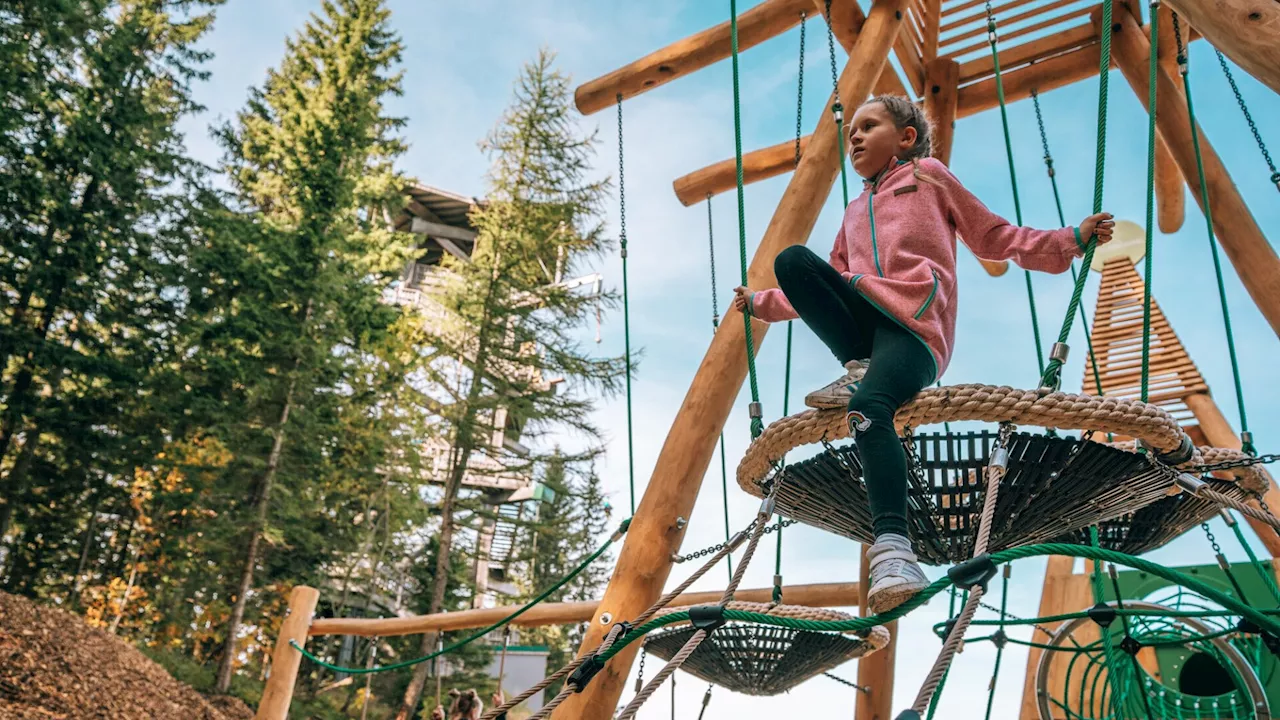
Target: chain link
711,245
831,50
622,187
704,552
1213,542
1044,137
1233,464
800,88
640,671
1177,36
1248,117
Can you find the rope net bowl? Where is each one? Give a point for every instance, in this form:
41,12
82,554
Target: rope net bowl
766,660
1054,489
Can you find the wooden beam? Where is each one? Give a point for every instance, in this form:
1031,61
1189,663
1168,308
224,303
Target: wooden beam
1037,50
1244,30
1171,202
846,23
1242,240
1220,434
285,661
972,99
645,560
1063,592
440,230
769,18
816,595
942,84
876,671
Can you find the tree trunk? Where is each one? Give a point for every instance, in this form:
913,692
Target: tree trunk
85,548
15,482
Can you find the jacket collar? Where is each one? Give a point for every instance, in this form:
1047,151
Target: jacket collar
874,181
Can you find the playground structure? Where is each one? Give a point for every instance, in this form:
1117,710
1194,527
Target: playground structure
983,507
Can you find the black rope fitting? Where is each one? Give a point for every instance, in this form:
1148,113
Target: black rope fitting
1102,614
1000,639
707,617
1183,454
1130,645
1248,627
974,572
587,670
946,629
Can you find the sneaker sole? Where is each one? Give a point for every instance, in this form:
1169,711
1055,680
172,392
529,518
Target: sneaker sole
824,403
891,597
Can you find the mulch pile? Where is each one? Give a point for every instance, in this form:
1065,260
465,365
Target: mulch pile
55,667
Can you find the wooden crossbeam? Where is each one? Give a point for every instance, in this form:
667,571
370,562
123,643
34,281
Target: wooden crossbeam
1244,30
769,18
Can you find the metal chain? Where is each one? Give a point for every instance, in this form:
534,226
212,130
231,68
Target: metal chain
622,187
711,245
831,50
1177,36
800,86
1248,117
1233,464
781,524
846,683
786,523
1044,138
640,671
1217,549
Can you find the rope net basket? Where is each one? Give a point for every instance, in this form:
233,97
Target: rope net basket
1055,488
764,659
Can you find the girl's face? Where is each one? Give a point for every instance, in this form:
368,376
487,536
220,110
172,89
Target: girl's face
874,139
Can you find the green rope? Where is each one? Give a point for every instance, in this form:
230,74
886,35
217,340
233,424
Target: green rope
757,423
1213,242
626,306
622,529
1013,177
995,671
1264,571
1151,209
1052,377
715,325
1062,220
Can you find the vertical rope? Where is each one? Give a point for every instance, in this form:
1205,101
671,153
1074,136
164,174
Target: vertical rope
1052,377
757,421
1151,205
995,671
1213,242
1264,570
626,307
1013,176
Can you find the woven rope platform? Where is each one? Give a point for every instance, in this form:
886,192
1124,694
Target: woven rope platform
1054,489
763,659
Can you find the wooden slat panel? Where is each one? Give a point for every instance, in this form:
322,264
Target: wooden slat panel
1045,47
947,42
981,15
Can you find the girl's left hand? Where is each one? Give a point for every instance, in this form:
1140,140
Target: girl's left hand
1100,225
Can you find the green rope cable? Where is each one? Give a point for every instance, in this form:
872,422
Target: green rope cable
1013,176
715,325
1151,211
1062,220
622,529
995,671
1247,445
757,423
1263,570
626,307
1124,620
1052,377
1098,598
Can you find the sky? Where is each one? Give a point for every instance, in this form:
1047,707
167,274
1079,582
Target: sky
460,61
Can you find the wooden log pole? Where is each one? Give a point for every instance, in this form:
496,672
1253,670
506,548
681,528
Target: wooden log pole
815,595
941,102
769,18
1171,203
645,560
1244,30
1063,592
1219,433
285,661
1242,240
875,671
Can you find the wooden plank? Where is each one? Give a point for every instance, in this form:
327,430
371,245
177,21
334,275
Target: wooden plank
1042,76
440,230
876,671
814,595
981,15
932,21
1242,240
769,18
1018,55
1244,30
644,563
758,165
950,41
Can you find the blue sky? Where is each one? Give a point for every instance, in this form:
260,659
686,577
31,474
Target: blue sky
460,60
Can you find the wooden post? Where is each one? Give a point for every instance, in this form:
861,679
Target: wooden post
1171,204
941,101
769,18
1064,591
1242,240
875,671
645,560
278,693
1219,433
1244,30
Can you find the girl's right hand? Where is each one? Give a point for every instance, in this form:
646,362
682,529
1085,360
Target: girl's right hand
741,295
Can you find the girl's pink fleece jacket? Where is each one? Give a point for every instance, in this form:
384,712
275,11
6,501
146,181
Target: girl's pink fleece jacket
897,249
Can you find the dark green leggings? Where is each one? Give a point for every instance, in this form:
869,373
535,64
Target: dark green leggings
901,365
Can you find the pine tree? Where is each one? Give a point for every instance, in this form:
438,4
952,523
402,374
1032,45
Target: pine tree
289,298
515,322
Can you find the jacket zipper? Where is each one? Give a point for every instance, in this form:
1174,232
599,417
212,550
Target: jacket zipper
871,213
929,300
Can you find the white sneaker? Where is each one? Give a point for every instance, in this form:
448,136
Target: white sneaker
895,574
837,394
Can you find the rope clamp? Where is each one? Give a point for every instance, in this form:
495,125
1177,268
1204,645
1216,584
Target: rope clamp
1275,178
755,410
736,540
999,463
1130,645
622,251
1246,441
1060,352
1155,4
1000,639
1186,450
1189,482
1227,517
766,507
1102,614
622,530
838,111
587,670
707,617
974,572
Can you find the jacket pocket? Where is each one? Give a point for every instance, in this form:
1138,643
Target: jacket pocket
929,300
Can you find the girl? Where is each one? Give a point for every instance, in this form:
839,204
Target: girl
886,303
